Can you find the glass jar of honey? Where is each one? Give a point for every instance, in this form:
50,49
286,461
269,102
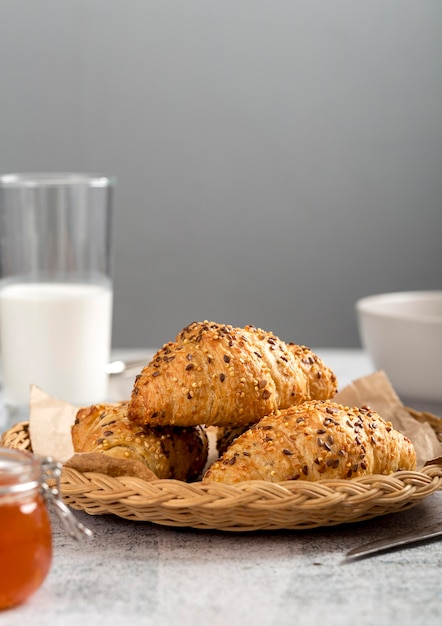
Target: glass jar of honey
27,485
25,527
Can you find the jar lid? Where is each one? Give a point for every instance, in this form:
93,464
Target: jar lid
19,471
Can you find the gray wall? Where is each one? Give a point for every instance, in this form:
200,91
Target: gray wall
276,159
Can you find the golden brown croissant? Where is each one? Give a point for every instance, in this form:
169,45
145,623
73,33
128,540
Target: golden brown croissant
215,374
319,439
226,435
169,452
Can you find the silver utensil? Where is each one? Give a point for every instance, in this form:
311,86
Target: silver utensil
121,367
414,536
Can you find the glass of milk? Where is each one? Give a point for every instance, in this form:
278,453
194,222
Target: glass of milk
55,287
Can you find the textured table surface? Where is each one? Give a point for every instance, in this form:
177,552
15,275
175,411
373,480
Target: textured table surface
137,573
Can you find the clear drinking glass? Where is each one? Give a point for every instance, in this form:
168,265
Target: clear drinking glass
55,286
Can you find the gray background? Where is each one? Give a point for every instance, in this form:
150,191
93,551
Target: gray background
276,159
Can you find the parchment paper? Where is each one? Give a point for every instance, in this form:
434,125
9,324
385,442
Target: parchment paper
50,422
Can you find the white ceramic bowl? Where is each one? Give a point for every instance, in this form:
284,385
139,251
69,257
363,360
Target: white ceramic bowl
402,333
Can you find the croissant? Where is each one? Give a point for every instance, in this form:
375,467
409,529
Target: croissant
319,439
169,452
216,374
226,435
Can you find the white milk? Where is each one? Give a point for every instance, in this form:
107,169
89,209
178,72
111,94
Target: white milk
57,336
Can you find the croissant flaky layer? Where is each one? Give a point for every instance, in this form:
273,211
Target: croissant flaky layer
216,374
317,440
168,452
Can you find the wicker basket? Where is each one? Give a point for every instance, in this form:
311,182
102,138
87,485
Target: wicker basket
253,505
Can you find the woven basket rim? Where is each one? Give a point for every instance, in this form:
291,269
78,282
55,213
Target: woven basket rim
291,485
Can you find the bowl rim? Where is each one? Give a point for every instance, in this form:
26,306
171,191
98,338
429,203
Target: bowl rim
368,305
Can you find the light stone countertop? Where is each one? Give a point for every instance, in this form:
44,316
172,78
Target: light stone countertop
141,574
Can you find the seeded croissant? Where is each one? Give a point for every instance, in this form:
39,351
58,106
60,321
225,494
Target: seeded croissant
168,452
215,374
319,439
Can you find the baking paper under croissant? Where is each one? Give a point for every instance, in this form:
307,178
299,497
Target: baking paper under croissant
169,452
216,374
319,439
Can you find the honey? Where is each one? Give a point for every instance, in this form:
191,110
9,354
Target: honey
25,528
